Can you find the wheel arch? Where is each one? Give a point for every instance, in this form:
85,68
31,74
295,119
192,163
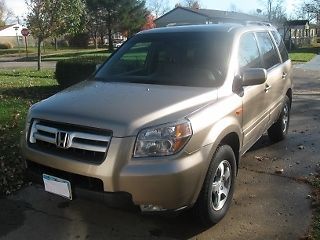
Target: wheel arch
232,139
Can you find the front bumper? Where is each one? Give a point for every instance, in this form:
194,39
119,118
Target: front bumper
170,182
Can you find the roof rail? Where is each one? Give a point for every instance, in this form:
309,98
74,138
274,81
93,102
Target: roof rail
259,23
179,24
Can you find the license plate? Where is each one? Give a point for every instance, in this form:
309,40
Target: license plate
57,186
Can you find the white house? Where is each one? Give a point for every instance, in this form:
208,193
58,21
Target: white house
11,30
9,33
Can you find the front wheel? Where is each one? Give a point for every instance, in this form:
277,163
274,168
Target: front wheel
279,129
216,195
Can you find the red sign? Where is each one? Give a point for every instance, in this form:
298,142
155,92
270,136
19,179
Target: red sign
25,32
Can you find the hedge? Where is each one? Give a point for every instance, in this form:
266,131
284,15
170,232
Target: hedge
5,45
74,70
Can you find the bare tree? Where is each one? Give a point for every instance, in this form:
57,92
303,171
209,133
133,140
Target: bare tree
6,14
310,10
273,10
191,4
158,7
233,8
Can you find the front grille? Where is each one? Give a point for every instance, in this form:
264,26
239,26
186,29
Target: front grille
71,141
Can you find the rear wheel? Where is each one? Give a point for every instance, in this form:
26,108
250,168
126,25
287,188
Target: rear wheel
216,195
279,129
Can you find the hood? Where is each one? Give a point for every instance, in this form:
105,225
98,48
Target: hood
124,108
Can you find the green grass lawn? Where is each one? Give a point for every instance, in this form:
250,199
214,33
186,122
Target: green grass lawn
18,91
53,55
9,51
67,54
303,54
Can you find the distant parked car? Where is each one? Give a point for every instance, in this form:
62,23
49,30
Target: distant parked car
118,44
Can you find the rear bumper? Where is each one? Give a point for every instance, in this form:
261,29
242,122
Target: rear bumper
170,183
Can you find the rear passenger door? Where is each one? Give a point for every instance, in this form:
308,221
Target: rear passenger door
286,66
254,99
275,83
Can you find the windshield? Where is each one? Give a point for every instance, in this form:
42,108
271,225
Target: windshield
183,59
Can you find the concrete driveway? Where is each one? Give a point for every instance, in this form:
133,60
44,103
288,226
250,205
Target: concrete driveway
271,198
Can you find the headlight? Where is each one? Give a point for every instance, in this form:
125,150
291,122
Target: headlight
163,140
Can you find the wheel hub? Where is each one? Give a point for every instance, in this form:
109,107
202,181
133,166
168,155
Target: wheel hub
221,185
285,118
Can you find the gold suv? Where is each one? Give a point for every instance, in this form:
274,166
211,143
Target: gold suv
166,119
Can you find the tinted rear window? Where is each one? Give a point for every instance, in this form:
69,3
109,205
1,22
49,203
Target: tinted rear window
187,59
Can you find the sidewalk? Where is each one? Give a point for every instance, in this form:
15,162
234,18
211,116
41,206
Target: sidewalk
313,65
16,62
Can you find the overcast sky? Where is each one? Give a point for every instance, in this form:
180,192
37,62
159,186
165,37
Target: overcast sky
247,6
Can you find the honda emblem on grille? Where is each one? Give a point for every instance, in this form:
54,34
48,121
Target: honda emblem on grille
63,139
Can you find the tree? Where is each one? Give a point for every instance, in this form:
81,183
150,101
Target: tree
310,10
117,15
158,7
53,18
274,11
149,24
5,13
233,8
133,17
94,24
191,4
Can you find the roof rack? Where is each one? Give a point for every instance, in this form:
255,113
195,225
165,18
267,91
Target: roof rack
259,23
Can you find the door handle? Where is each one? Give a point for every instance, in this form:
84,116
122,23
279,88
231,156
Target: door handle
267,87
284,75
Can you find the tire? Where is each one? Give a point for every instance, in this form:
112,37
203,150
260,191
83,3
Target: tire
279,129
216,194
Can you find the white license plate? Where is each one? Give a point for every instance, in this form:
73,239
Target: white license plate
57,186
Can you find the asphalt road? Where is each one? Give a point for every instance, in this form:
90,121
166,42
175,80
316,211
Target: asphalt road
267,205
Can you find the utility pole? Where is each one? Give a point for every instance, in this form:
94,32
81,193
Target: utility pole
16,29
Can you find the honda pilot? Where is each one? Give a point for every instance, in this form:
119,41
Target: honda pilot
166,118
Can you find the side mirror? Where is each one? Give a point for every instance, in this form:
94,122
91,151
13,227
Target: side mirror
253,76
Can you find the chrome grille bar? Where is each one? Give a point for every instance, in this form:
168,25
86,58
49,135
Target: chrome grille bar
77,140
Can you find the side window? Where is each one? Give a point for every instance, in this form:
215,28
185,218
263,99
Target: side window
281,46
249,56
269,54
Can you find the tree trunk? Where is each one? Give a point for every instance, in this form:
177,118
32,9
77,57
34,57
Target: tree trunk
39,54
101,40
55,44
95,40
110,40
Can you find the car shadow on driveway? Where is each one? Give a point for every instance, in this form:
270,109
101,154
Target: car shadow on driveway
264,207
